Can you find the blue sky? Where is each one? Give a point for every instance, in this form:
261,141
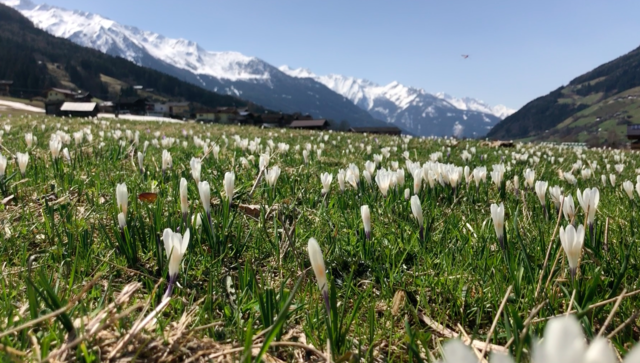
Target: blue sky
519,50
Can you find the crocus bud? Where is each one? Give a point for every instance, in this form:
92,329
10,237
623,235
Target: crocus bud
341,179
205,196
3,166
568,208
122,196
184,200
366,220
167,161
367,176
196,168
416,208
497,214
228,183
140,161
541,190
23,160
572,240
317,263
628,188
326,179
417,180
122,220
407,194
65,153
28,139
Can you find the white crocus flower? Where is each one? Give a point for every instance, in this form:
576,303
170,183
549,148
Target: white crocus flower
572,240
205,196
175,246
167,161
541,190
497,215
612,179
66,155
23,160
317,263
588,200
55,145
196,169
383,179
326,179
367,176
556,196
28,139
272,176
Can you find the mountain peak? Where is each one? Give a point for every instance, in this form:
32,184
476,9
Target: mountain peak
297,72
19,5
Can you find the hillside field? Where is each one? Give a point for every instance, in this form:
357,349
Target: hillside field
186,242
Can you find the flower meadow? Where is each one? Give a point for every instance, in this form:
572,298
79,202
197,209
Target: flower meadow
136,241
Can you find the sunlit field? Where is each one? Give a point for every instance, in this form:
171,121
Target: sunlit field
136,241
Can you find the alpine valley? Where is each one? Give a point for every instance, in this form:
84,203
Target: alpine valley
339,98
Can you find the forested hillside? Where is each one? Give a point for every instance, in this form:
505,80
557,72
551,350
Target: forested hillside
35,60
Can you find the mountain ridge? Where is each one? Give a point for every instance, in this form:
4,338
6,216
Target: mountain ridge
413,110
595,107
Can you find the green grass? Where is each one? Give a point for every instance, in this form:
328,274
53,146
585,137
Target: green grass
245,281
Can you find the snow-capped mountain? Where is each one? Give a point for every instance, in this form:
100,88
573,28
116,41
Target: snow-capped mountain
466,103
224,72
413,108
360,102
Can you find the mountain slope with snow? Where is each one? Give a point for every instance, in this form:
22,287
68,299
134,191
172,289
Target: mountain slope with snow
412,108
358,101
230,73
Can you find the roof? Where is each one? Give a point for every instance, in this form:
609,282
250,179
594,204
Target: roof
78,106
377,130
65,91
106,104
125,100
309,123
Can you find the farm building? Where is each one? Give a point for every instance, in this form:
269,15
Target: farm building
390,130
79,109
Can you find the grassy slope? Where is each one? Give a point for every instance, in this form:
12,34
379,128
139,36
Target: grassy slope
63,215
587,97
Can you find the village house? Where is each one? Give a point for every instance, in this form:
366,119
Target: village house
633,135
55,97
132,105
310,124
205,115
226,115
179,109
